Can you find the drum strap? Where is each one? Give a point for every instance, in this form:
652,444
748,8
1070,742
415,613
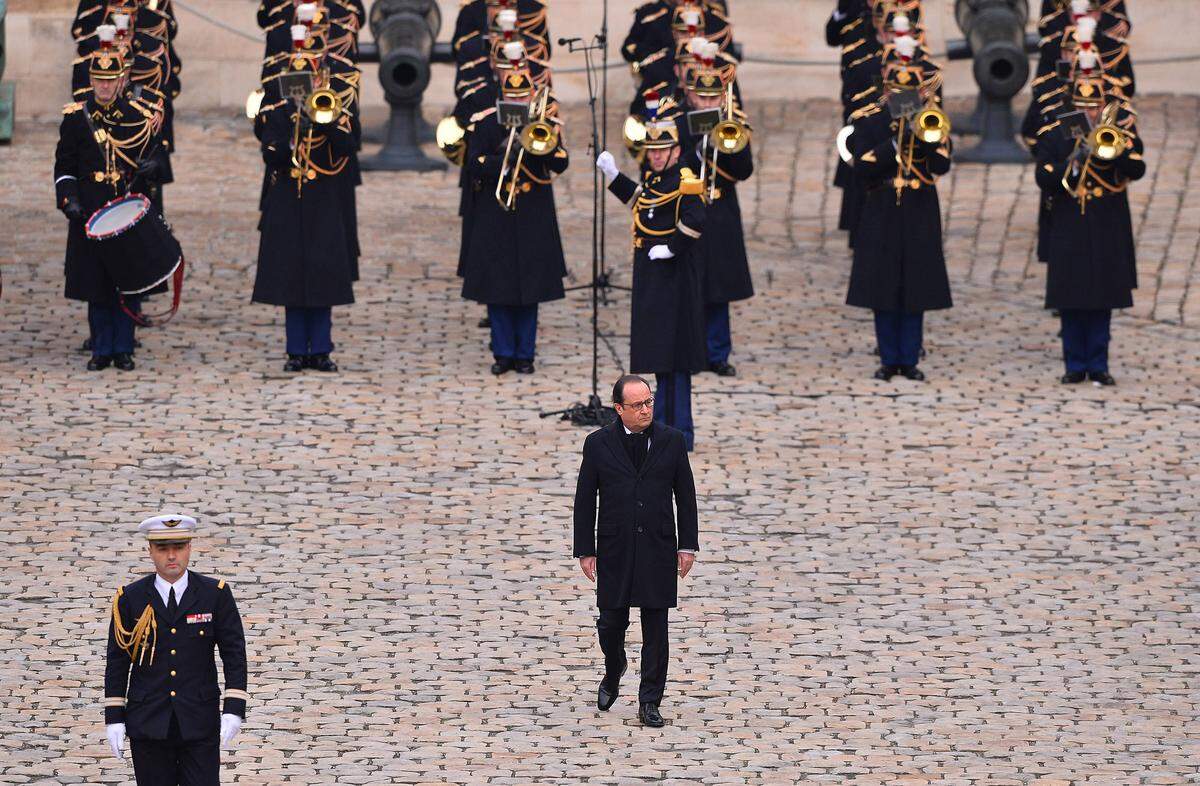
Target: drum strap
158,320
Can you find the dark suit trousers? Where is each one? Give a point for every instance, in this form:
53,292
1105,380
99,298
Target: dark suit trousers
655,650
176,762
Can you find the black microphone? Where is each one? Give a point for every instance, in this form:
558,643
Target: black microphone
566,41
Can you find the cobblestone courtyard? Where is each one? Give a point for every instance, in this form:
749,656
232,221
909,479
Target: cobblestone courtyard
985,579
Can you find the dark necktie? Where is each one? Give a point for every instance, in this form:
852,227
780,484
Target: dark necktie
172,606
641,444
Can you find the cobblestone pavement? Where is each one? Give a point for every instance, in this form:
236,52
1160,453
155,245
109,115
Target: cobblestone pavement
985,579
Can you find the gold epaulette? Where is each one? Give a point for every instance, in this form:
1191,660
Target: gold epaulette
689,184
72,108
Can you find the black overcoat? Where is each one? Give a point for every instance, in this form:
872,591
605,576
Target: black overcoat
76,160
898,261
182,679
635,538
512,258
721,249
303,254
666,326
1090,253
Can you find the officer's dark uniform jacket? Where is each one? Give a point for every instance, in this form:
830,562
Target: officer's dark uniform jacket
1090,251
721,250
512,258
174,671
898,262
667,323
80,171
304,256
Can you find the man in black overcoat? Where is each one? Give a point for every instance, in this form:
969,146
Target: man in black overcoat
899,271
721,250
305,257
634,549
107,147
666,327
1092,265
514,257
160,677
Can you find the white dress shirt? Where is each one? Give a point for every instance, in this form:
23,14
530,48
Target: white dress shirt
164,587
629,433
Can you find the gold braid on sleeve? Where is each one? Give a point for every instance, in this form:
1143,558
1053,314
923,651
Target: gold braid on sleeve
134,641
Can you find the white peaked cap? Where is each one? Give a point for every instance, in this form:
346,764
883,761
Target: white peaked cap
306,12
900,23
1088,59
299,32
106,32
514,50
506,19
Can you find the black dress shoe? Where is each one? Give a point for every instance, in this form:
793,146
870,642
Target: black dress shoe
722,369
123,361
502,365
1073,377
913,373
607,694
322,362
886,372
648,715
485,323
99,363
294,364
86,348
1102,378
523,366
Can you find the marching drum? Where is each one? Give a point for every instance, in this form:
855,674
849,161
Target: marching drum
137,248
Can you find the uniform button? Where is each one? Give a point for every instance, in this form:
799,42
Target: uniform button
172,630
639,529
172,693
641,504
201,633
172,652
172,672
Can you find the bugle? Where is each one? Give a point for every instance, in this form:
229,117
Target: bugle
1107,141
931,125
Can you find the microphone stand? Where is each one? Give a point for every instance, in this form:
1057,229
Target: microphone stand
593,413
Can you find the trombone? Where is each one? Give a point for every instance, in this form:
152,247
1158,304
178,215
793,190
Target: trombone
730,136
537,138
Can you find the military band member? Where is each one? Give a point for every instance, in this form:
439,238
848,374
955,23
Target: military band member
305,261
160,680
632,547
899,270
107,147
721,250
514,258
666,336
1090,249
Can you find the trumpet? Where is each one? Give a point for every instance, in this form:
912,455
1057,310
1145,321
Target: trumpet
1107,141
452,140
931,125
323,106
539,137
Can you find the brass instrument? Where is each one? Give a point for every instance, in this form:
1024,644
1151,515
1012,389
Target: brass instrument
931,125
730,136
254,103
634,134
452,140
323,105
1107,140
539,137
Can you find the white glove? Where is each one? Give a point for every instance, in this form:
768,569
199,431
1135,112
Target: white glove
608,165
116,738
230,726
661,252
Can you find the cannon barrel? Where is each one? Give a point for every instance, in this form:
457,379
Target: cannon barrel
994,32
405,32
